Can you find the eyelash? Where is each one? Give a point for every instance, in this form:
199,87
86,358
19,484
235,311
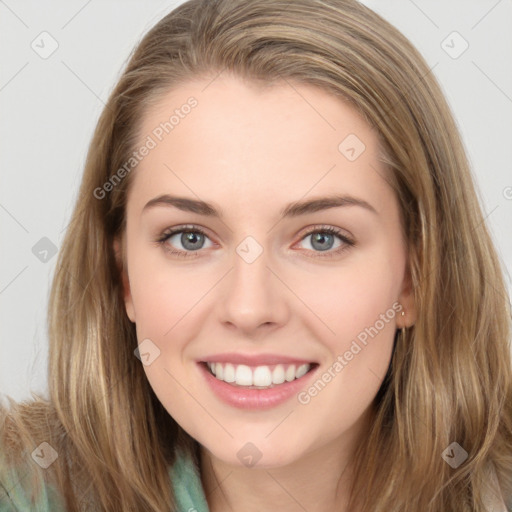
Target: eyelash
162,239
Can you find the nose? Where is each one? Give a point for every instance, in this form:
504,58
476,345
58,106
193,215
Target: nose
255,299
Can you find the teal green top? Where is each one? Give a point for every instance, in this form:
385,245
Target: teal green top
184,477
187,485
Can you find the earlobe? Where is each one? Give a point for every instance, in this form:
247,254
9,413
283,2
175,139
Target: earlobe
127,296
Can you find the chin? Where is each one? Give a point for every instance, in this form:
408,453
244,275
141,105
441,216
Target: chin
263,454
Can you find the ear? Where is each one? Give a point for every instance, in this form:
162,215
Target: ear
408,302
119,250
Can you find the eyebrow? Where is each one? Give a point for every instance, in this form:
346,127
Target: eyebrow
295,209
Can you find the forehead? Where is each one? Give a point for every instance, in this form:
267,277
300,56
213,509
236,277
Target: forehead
232,139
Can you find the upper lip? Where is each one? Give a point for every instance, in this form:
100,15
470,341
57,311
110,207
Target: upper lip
254,359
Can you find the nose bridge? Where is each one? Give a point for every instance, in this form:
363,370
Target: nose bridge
253,295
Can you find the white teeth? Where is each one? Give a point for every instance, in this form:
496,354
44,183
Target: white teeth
278,374
290,373
229,373
260,376
243,375
301,370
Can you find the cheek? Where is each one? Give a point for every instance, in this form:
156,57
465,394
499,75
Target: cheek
167,302
351,300
358,310
164,300
162,293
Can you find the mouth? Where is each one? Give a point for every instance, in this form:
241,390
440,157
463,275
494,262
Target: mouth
258,377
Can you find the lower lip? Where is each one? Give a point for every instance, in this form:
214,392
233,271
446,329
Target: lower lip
243,398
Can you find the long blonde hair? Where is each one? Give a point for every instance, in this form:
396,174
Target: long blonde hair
450,379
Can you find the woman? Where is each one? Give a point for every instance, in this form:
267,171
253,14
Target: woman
204,353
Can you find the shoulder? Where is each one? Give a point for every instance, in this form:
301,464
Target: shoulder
24,462
20,491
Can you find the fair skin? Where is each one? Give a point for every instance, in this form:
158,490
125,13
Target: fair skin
251,151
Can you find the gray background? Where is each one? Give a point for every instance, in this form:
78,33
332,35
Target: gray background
50,106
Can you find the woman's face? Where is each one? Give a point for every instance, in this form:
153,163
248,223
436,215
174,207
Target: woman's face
264,287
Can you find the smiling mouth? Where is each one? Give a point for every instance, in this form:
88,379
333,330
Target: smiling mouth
258,377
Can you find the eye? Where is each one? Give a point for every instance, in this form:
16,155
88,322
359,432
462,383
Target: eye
322,238
191,239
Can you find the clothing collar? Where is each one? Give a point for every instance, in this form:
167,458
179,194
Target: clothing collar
187,485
